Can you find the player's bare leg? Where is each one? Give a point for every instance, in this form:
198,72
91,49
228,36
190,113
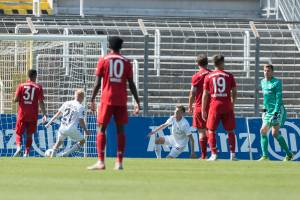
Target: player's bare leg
212,144
101,143
203,142
19,145
55,148
121,139
157,148
231,142
74,148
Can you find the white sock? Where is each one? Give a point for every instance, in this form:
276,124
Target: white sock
75,147
157,150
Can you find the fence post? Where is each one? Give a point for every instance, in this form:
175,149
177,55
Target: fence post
146,66
257,60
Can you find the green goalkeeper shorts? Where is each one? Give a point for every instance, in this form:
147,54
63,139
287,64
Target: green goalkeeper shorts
267,118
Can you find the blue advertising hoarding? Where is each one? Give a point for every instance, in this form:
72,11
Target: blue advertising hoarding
140,146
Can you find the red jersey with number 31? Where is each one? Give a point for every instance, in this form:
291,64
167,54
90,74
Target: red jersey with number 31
115,71
219,84
29,94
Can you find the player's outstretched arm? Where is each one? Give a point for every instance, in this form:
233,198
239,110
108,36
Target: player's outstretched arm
133,90
52,119
205,96
43,109
83,126
163,126
192,143
233,95
96,88
192,99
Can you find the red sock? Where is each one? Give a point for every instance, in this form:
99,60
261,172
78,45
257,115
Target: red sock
203,145
28,143
212,142
18,140
121,146
231,142
101,143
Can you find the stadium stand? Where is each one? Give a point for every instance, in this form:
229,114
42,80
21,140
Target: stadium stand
22,7
181,39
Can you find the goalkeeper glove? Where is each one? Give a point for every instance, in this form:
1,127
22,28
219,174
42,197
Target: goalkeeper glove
263,113
274,119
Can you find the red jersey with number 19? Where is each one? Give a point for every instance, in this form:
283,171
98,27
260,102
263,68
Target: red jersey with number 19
115,71
219,84
29,94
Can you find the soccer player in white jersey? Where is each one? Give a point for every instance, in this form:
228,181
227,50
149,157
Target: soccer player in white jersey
72,113
180,135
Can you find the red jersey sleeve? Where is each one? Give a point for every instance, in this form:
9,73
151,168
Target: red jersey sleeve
194,80
18,91
206,83
233,85
130,71
99,68
41,94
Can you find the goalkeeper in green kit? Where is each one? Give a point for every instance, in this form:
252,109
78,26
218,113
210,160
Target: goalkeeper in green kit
274,114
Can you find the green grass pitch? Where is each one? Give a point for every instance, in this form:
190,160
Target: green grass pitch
143,179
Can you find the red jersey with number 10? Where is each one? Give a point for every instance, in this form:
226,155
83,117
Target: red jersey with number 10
115,71
219,84
29,94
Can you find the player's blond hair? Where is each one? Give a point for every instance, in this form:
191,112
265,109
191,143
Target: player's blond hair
79,93
181,107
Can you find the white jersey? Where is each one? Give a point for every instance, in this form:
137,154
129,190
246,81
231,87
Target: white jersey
71,111
180,130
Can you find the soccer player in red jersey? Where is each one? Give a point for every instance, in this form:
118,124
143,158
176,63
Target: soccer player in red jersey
114,70
196,98
220,86
29,96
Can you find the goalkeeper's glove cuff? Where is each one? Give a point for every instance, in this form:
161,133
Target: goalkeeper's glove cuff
264,110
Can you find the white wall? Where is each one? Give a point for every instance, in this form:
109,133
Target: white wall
203,8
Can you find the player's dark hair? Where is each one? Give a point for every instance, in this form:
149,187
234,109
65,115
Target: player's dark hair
202,60
218,59
269,66
115,43
181,107
32,73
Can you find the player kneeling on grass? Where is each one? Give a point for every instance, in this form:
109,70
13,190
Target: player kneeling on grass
72,113
180,135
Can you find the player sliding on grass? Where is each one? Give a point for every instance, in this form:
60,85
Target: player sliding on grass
180,135
72,113
274,114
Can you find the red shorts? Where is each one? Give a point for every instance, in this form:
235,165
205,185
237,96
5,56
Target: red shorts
106,111
21,126
227,118
198,122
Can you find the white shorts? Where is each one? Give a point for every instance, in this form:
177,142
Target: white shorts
176,149
73,134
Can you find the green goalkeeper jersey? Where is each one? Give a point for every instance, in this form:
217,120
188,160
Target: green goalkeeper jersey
272,92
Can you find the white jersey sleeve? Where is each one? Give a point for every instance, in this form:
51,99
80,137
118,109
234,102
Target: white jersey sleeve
187,128
169,121
81,113
62,108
